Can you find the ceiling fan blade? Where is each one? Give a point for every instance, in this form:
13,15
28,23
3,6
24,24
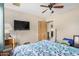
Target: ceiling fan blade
43,6
44,11
58,6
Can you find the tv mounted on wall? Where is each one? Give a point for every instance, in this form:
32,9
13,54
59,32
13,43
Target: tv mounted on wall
21,25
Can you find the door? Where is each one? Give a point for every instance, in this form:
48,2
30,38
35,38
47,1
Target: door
42,30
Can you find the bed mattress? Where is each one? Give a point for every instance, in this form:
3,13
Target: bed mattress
45,48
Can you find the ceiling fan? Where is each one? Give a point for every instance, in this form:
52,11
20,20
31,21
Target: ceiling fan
52,5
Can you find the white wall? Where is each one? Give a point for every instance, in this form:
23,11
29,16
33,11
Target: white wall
67,24
24,35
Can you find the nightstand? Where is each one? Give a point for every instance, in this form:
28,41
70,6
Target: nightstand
10,43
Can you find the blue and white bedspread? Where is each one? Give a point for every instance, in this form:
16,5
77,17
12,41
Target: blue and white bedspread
45,48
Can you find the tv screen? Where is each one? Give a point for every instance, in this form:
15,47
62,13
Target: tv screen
21,25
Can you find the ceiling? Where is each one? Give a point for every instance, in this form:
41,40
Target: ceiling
35,9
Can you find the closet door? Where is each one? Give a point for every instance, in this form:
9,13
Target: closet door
1,27
42,30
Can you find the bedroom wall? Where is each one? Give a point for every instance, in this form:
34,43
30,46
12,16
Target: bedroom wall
67,24
24,35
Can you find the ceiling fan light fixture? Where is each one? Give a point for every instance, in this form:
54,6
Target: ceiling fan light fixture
52,11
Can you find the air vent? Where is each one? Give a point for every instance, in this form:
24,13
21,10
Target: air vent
16,4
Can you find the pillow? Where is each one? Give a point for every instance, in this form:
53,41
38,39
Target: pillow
64,42
70,41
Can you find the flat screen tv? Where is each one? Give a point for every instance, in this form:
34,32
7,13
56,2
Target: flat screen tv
21,25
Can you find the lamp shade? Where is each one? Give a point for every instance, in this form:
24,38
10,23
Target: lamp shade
8,28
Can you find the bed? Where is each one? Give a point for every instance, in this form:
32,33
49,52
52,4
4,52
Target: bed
45,48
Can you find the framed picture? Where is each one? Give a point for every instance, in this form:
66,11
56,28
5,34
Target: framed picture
76,40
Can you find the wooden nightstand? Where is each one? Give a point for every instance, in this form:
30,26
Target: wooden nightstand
10,43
